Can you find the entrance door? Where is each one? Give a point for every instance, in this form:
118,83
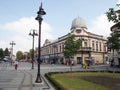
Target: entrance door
79,60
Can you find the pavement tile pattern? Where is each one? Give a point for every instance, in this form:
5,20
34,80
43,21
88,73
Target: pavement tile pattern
24,78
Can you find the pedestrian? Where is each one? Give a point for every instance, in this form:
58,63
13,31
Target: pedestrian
16,64
72,62
112,63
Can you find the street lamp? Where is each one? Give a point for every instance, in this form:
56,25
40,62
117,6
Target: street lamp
33,33
39,18
12,43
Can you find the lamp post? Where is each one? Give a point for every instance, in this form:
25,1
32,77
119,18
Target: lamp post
39,18
12,43
33,33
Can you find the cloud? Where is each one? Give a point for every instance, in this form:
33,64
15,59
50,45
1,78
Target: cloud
118,2
21,29
3,44
101,26
25,24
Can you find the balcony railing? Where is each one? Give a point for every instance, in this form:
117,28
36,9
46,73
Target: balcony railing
85,49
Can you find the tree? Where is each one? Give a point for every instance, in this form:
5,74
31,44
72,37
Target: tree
35,53
19,55
6,52
30,52
28,55
113,15
1,53
114,39
71,46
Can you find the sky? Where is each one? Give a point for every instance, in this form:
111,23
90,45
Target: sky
17,19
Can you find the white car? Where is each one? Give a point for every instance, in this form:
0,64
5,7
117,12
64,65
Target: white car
6,59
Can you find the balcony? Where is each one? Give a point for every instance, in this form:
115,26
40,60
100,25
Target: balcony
85,49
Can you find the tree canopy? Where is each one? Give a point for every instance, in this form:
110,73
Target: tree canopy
1,53
113,15
19,55
114,39
6,52
71,46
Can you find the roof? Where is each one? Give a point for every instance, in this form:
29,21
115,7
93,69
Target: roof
78,23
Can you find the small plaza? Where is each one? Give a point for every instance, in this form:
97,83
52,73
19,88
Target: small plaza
44,45
24,77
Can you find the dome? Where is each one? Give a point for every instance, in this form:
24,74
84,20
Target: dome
78,23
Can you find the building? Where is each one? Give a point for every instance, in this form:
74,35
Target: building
113,54
93,48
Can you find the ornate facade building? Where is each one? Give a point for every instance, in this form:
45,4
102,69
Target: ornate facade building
93,48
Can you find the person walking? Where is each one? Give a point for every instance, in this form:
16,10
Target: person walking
16,64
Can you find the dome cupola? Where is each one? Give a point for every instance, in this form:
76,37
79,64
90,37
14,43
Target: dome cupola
78,23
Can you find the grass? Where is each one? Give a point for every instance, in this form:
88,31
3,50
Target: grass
73,81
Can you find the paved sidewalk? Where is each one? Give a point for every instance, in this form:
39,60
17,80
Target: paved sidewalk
10,80
27,81
24,78
21,79
45,85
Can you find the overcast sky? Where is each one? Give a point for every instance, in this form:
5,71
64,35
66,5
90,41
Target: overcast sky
17,18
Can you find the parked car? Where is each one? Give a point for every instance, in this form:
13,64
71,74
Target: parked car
6,59
2,60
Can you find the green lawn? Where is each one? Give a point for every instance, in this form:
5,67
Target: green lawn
73,81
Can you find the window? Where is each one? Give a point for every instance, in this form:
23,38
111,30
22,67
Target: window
93,45
105,47
100,47
78,30
85,44
96,45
